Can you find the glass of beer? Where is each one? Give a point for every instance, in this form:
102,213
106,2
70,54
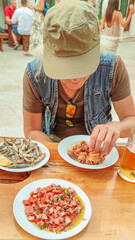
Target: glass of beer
127,165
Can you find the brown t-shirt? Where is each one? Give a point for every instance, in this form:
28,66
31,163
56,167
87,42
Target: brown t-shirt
32,102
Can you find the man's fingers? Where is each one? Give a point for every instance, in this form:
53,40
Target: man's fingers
99,141
109,141
93,138
114,139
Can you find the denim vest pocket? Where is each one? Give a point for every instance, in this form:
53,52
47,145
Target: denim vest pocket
102,117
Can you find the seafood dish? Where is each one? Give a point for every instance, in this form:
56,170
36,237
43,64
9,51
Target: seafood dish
53,208
20,153
82,154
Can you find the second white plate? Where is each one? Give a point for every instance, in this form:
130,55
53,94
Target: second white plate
69,141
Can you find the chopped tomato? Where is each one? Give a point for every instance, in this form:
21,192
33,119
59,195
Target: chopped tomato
26,202
43,200
37,220
33,199
57,191
40,194
58,229
50,229
48,189
57,221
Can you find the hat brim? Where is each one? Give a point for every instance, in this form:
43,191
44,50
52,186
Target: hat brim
71,67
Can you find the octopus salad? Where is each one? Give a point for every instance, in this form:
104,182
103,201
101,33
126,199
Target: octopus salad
53,208
82,154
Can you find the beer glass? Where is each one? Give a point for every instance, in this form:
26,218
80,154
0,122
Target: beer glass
127,165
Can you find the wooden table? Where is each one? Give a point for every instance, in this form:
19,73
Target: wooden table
112,198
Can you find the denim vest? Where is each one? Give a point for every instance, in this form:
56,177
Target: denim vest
97,93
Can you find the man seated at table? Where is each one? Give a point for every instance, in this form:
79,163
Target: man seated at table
24,17
9,11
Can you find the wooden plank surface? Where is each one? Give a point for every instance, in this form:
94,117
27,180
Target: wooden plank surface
112,199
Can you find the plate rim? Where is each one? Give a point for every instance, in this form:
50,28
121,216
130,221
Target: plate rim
85,166
54,235
29,169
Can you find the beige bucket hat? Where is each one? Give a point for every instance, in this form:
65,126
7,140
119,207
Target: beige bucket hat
71,40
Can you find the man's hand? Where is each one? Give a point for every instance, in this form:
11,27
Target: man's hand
105,134
31,7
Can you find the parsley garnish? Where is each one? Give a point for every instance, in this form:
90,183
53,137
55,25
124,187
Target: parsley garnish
60,195
36,208
67,192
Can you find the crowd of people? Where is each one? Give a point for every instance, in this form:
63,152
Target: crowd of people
25,22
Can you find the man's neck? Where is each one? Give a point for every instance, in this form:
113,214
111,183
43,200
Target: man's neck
24,5
70,92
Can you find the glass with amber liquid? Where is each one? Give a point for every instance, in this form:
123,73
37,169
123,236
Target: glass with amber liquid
127,165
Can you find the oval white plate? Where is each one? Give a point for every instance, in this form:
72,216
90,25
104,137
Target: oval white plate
69,141
36,166
21,218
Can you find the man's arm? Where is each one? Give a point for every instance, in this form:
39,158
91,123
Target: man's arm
102,26
39,8
110,132
32,126
8,20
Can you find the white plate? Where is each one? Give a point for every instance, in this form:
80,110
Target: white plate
36,166
21,218
69,141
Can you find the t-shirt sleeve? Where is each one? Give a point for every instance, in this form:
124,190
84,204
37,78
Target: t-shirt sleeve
6,12
31,99
121,84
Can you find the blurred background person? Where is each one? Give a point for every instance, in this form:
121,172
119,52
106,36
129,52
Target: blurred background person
9,11
24,18
36,35
110,26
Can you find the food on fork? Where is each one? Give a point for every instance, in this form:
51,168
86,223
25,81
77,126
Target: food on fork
54,208
21,153
82,154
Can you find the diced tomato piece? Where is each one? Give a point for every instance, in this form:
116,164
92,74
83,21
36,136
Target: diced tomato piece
37,220
40,194
58,229
33,199
26,202
29,210
61,202
53,185
48,189
31,194
57,191
43,200
73,217
57,221
50,229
